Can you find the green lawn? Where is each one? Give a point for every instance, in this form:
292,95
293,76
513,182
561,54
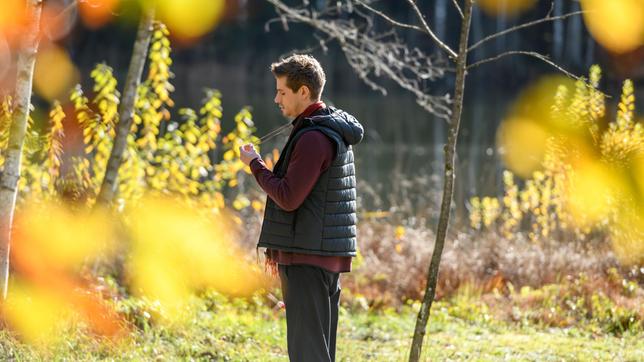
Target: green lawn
240,331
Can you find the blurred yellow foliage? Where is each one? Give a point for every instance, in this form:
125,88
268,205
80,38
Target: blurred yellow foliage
523,141
51,243
60,237
13,14
35,312
505,7
96,13
618,25
189,19
176,250
176,216
172,252
399,232
55,74
589,170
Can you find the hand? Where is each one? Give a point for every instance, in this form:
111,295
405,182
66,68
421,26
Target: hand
247,153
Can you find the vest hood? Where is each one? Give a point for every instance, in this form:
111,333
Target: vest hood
340,121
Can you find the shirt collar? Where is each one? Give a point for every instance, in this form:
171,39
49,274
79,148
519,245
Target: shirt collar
312,108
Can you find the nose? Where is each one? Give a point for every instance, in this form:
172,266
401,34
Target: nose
276,99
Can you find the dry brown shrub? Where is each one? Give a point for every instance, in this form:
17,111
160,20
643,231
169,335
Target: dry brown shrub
392,270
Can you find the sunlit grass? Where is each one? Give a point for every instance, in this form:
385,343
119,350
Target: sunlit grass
248,330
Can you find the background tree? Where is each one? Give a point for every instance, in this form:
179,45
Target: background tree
374,53
126,108
11,173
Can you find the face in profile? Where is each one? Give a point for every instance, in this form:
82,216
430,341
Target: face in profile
291,103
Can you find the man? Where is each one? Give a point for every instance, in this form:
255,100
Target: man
309,226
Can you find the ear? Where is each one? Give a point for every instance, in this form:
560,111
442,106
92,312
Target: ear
304,91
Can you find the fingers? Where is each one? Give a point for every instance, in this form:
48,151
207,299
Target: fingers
249,147
247,153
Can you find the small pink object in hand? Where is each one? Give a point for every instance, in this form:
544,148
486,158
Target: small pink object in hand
247,153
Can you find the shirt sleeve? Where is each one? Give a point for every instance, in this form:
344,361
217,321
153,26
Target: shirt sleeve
312,155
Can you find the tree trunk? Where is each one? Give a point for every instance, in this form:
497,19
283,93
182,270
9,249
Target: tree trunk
448,187
126,108
11,174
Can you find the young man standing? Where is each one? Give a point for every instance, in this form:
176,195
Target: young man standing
309,227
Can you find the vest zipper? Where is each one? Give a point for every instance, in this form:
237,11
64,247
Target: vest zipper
294,222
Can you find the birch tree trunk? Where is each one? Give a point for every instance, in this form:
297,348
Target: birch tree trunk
126,108
448,187
13,158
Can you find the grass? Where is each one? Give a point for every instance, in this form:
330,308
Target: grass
217,329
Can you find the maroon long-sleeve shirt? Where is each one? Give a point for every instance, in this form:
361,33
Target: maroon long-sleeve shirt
312,155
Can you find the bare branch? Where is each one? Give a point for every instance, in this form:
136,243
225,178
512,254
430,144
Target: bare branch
374,54
267,26
438,42
539,56
390,20
69,7
458,8
61,15
522,26
321,45
552,8
437,105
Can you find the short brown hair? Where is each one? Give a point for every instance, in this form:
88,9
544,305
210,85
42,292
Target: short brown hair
299,70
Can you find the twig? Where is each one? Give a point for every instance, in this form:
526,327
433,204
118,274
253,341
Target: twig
458,8
321,45
390,20
62,14
542,57
552,8
267,25
518,27
429,31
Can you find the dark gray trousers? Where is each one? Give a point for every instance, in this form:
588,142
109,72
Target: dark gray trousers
312,298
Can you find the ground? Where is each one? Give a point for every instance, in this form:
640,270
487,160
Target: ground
252,331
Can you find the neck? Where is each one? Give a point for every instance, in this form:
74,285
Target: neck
305,106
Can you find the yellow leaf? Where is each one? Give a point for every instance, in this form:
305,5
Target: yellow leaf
237,205
398,248
191,137
276,155
229,155
399,232
257,205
